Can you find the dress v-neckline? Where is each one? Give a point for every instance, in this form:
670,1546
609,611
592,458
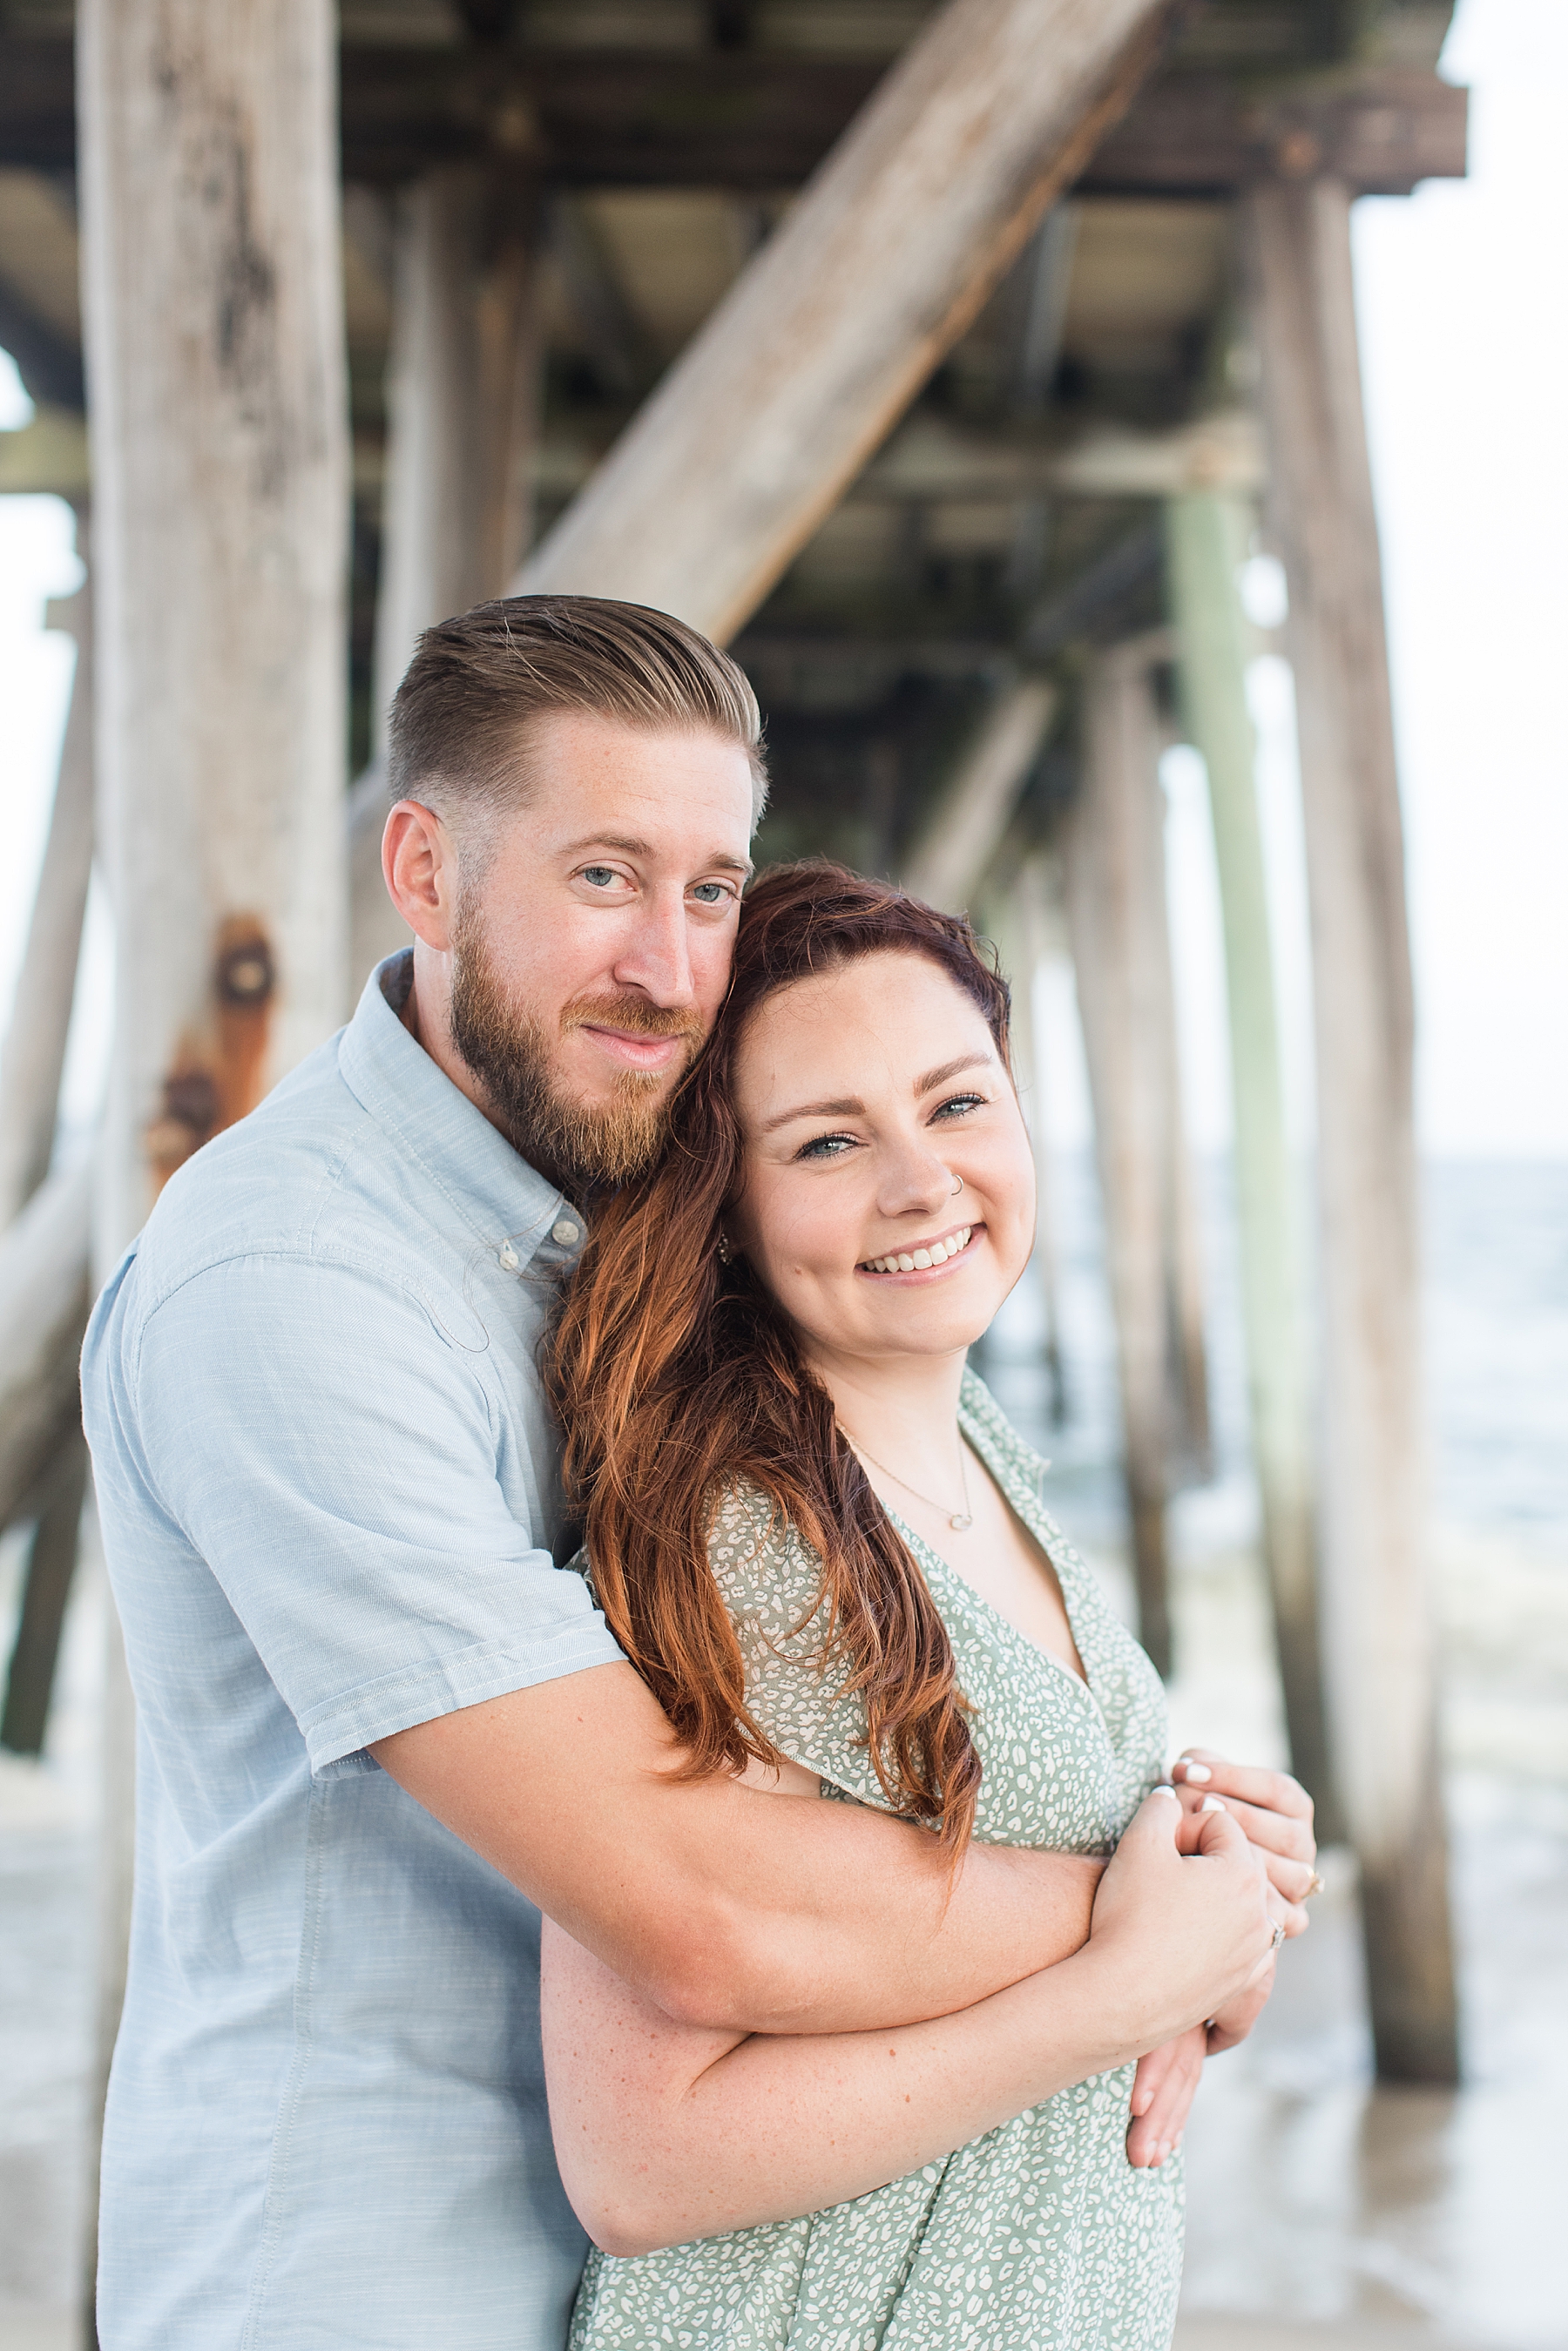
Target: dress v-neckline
926,1551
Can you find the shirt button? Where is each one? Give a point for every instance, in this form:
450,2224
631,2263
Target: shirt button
565,1232
508,1257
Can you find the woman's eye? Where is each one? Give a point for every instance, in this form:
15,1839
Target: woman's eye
956,1104
826,1146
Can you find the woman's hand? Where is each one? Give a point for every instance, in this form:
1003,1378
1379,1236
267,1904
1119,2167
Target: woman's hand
1274,1812
1186,1913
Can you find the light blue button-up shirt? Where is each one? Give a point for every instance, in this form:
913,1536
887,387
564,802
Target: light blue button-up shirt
327,1486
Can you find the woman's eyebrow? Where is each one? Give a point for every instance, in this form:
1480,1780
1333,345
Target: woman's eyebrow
934,1078
849,1107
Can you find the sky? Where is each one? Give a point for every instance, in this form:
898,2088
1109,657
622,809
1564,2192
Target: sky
1462,298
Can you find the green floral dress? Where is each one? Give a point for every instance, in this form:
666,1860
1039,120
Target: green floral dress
1040,2234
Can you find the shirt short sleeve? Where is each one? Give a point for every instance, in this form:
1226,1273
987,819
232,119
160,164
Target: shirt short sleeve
770,1581
336,1459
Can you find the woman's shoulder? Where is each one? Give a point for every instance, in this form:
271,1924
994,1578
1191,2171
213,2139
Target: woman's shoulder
982,1417
768,1576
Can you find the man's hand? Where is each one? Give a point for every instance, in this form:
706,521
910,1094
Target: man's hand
1274,1812
1167,2080
1163,2091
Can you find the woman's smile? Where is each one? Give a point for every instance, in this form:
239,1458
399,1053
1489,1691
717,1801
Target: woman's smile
921,1258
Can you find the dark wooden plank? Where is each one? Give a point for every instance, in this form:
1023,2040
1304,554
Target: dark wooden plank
748,119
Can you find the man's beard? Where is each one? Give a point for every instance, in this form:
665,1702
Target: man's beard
576,1144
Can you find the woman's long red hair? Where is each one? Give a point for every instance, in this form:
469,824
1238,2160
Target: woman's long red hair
674,1375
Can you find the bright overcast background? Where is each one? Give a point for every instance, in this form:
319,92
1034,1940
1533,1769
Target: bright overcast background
1463,299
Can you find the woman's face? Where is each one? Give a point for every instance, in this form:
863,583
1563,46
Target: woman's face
887,1195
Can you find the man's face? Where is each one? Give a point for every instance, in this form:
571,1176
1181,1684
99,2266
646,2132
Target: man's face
591,953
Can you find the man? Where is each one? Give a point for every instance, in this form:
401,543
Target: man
377,1723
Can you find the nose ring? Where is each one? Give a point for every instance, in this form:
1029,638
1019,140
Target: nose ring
957,1188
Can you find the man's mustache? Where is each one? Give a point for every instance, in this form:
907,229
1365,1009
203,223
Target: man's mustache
632,1014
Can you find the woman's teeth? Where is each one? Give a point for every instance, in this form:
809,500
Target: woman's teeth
920,1261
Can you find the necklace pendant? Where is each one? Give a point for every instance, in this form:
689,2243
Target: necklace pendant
960,1523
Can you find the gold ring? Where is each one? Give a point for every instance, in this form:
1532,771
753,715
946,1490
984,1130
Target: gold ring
1279,1937
1314,1887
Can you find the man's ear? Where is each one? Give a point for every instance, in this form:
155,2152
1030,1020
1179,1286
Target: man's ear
419,861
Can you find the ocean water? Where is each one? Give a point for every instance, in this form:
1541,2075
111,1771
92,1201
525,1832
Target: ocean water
1495,1348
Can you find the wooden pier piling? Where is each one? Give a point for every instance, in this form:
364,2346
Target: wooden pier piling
1115,855
213,314
1377,1609
1207,535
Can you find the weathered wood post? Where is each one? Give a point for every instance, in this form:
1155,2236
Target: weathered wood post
1378,1611
836,322
41,1455
51,1563
1113,846
35,1051
463,383
1207,536
1012,915
213,308
1036,898
461,394
977,804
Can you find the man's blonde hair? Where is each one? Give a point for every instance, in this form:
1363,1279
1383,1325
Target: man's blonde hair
458,736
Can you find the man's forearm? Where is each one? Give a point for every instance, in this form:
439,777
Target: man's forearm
865,1928
729,1907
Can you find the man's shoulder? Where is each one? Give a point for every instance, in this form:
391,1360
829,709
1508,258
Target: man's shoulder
309,1176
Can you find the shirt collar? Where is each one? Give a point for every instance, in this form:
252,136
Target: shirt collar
495,1190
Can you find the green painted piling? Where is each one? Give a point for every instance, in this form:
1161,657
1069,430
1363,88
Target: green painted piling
1207,535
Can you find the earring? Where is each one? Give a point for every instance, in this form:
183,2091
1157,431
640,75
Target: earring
723,1246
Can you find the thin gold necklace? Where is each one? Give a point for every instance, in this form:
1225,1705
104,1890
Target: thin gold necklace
959,1520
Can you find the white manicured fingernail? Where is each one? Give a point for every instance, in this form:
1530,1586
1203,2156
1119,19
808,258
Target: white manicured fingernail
1211,1804
1165,1789
1197,1773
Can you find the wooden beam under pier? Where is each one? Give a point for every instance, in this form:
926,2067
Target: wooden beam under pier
836,322
976,807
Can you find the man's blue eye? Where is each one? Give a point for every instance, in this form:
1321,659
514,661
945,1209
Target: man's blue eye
710,892
600,875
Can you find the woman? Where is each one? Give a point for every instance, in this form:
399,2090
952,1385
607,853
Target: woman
816,1535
